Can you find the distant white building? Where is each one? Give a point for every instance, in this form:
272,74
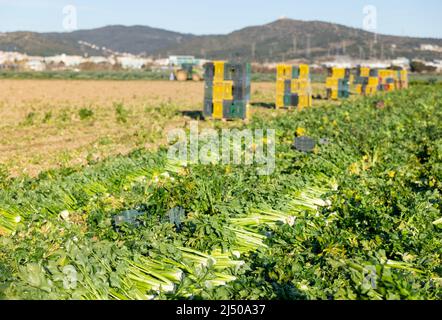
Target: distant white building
132,62
162,62
430,47
436,64
68,61
11,57
35,65
401,62
179,60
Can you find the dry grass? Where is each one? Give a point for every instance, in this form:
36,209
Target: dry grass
51,123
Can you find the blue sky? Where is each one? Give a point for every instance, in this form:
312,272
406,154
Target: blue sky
398,17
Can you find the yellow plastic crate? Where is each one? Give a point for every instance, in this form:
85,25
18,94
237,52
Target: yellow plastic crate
332,83
370,90
217,110
280,87
302,101
364,72
280,71
288,72
303,85
373,81
333,94
387,73
284,72
218,90
223,90
305,101
338,72
219,70
304,71
279,101
228,90
295,86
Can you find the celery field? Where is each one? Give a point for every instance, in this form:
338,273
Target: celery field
359,217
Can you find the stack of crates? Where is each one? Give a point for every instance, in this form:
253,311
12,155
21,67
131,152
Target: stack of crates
293,86
386,80
338,83
227,90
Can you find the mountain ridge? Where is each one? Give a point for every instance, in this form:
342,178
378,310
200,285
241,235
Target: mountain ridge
278,40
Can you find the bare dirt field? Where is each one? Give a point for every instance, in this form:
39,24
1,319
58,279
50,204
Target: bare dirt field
51,123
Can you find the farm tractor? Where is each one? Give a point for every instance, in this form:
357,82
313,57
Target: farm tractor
187,72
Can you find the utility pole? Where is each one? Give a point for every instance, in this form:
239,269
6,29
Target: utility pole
361,53
308,48
253,51
370,51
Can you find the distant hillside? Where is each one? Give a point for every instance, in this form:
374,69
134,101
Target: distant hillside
289,39
279,40
136,39
36,44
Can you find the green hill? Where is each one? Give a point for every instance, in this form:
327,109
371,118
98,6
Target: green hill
279,40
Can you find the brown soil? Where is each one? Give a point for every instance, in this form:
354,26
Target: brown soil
41,126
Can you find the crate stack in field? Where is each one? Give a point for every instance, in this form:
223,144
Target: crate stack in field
293,86
227,90
338,83
369,81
